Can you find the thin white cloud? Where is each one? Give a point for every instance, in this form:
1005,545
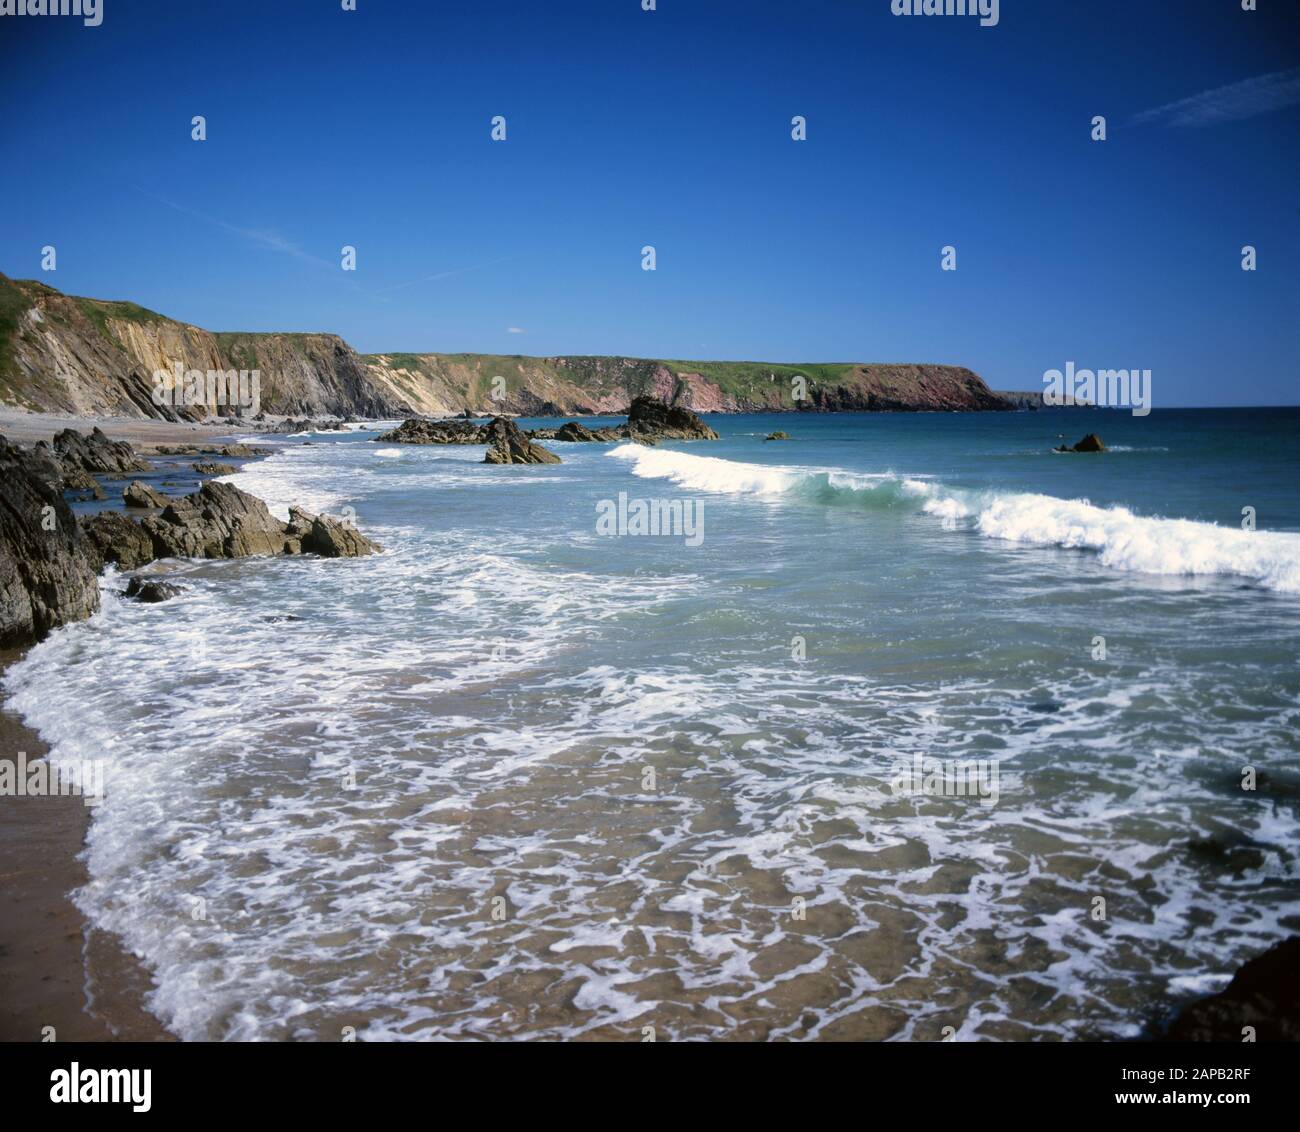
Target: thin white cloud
1233,103
515,330
265,238
446,274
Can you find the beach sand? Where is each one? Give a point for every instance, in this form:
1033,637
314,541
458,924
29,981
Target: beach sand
55,970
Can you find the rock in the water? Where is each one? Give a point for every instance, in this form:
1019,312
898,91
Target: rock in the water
649,417
115,538
417,431
507,445
220,521
96,453
1090,443
151,590
575,433
1264,994
211,468
138,494
777,436
47,567
326,536
83,485
217,521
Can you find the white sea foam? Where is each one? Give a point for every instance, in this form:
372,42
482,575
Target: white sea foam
1122,540
498,697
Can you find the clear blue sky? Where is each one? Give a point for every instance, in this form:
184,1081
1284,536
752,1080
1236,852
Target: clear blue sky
672,128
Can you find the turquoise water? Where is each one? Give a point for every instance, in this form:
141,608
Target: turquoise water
515,778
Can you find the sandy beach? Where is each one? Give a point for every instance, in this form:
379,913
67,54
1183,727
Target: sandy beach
55,971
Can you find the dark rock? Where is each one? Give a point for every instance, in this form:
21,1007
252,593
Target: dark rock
47,567
139,494
507,445
151,590
83,486
114,538
1264,994
1090,443
419,431
324,535
574,433
777,436
219,521
96,453
210,468
650,417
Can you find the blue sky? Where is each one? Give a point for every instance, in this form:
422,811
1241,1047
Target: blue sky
672,128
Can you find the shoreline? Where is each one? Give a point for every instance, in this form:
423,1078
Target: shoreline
56,970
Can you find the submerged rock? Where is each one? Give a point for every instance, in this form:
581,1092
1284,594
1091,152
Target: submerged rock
151,590
507,445
47,570
139,494
650,417
777,436
1090,443
1264,994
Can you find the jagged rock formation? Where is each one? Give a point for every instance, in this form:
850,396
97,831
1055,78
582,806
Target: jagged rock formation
94,452
46,573
60,353
507,445
415,431
651,419
139,494
1090,443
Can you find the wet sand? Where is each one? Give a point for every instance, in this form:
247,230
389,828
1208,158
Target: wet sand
55,970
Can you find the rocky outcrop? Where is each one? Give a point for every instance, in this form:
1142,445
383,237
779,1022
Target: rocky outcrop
417,431
777,436
139,494
47,578
211,468
649,418
507,445
1090,443
1264,995
94,452
220,521
114,538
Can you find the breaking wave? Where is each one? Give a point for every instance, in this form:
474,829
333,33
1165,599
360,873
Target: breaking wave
1123,540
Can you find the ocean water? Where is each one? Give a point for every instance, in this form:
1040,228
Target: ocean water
515,778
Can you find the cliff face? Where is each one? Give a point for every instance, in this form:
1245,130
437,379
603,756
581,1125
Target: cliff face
63,354
59,353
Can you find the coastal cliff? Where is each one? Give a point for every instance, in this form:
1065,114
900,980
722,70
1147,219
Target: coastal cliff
64,354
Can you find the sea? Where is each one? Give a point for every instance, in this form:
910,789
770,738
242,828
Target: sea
904,728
